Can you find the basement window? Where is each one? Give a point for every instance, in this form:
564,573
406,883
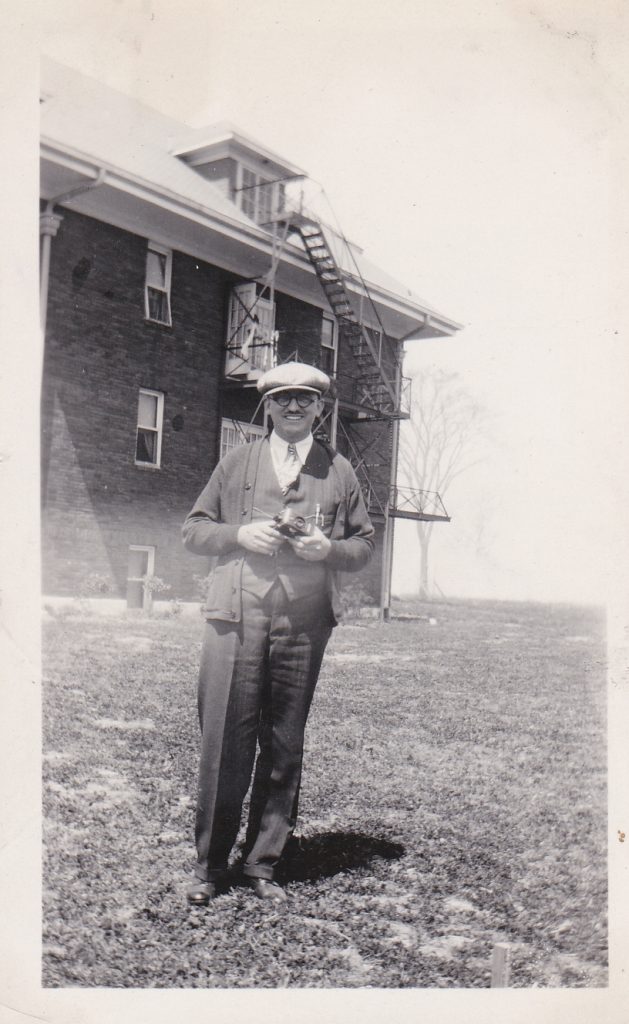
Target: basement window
157,285
141,565
148,445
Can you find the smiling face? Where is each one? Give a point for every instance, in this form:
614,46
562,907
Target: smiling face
291,422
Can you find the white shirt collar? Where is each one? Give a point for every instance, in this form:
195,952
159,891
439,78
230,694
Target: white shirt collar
279,447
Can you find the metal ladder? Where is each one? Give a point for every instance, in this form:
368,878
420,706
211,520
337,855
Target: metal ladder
374,386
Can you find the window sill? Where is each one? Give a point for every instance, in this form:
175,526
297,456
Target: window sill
146,465
157,323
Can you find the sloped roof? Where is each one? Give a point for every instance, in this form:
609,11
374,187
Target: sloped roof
352,260
118,131
211,137
83,117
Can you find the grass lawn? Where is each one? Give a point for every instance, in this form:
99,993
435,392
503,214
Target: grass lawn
453,797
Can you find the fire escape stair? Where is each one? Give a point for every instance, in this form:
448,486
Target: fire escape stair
375,389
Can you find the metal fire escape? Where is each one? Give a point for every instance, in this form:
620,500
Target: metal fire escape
377,386
379,392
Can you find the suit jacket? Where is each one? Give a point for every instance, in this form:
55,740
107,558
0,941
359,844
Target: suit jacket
226,503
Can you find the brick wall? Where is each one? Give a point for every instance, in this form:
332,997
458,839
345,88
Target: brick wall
372,439
99,352
368,579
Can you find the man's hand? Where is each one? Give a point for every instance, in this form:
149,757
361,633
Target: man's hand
261,538
312,548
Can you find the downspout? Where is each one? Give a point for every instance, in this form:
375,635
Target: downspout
49,222
389,512
389,518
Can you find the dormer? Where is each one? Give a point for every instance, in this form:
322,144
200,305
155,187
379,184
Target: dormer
246,172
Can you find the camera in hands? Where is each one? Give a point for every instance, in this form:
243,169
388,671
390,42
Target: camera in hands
290,524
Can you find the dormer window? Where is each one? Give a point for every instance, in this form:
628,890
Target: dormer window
260,198
244,170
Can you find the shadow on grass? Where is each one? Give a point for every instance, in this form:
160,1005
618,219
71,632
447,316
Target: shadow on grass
320,856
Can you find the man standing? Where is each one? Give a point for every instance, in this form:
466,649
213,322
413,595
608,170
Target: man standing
283,515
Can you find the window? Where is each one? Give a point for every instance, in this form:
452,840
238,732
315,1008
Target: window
251,337
157,287
141,565
260,199
148,445
329,344
235,432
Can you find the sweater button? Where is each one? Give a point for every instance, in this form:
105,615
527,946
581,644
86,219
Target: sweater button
244,512
247,487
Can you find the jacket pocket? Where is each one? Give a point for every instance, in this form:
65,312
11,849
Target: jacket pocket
219,594
327,523
338,526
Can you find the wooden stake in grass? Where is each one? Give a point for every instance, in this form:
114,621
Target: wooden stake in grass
500,965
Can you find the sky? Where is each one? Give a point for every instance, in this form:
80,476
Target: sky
472,150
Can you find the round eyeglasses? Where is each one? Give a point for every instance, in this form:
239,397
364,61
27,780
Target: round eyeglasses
302,398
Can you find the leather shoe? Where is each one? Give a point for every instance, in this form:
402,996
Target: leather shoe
200,893
266,889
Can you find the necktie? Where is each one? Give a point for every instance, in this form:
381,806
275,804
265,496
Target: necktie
290,467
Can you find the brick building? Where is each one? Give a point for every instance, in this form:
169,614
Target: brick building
177,265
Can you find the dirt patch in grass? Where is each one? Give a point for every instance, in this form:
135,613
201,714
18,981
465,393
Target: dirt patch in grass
453,796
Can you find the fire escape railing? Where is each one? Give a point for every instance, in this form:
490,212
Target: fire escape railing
379,364
380,385
372,499
410,503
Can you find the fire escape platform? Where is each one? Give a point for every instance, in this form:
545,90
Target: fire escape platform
293,218
422,506
368,414
421,517
378,516
237,383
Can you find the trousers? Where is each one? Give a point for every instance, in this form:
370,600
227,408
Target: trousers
256,683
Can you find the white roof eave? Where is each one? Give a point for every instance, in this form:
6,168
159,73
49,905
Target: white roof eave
238,227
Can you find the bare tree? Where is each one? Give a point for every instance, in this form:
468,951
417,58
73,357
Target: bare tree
438,443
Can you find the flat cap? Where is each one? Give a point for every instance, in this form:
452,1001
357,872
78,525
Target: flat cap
293,377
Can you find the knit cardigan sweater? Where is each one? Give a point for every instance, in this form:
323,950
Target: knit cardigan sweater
226,504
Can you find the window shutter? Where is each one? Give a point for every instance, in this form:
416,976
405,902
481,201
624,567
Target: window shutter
247,314
242,299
